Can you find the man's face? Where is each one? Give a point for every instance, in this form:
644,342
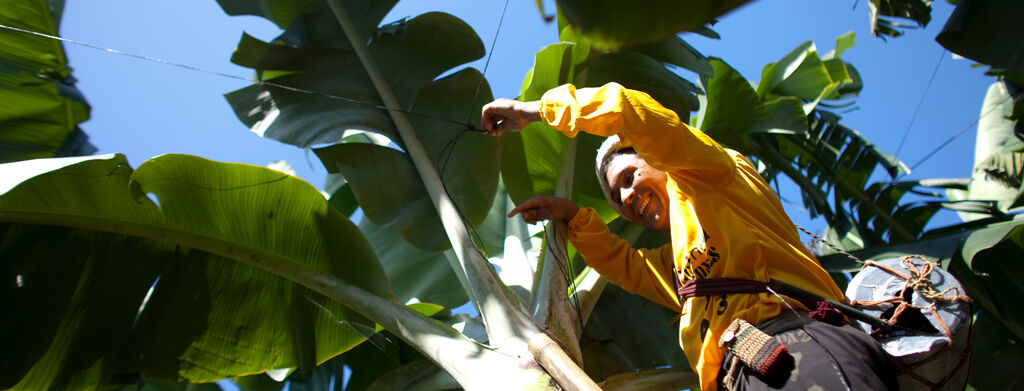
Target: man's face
638,191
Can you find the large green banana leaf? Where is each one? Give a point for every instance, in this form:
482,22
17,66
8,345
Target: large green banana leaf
416,275
677,52
402,60
988,32
612,25
992,255
367,13
387,185
803,74
147,384
996,354
117,271
731,110
281,12
42,107
411,53
627,332
385,362
998,162
985,31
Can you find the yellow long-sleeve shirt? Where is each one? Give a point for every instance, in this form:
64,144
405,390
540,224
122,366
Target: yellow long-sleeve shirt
725,221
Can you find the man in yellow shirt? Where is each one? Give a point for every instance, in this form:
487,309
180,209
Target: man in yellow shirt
725,223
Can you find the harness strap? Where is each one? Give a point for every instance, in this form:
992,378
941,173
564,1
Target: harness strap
719,286
728,286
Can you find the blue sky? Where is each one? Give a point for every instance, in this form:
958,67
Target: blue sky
144,109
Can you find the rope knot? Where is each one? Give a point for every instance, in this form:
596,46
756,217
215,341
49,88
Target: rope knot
920,281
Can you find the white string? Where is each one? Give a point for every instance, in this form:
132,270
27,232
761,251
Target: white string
951,139
920,103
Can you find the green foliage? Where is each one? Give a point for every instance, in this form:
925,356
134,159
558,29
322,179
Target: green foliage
163,385
415,274
985,31
203,315
170,235
988,267
281,12
988,32
997,356
784,126
998,164
470,168
885,15
531,158
986,254
42,107
411,53
612,25
803,74
612,345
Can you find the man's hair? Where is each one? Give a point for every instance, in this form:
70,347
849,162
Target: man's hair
609,150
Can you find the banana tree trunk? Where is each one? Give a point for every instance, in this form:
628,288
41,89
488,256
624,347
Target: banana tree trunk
550,301
510,330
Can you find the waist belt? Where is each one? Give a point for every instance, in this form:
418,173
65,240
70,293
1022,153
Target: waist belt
821,308
718,286
728,286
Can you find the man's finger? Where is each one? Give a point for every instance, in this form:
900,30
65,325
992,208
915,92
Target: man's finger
529,204
516,210
487,121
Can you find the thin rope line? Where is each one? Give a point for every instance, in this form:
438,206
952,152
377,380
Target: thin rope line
451,144
487,63
920,102
467,124
951,139
830,245
449,147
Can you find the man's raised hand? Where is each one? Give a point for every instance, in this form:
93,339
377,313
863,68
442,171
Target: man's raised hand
506,115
